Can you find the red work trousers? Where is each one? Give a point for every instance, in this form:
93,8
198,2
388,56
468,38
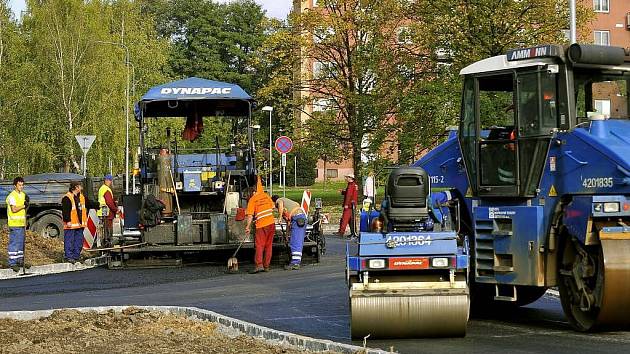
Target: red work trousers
264,244
345,220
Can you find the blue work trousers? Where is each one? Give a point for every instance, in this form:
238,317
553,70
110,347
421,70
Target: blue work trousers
296,243
16,246
73,243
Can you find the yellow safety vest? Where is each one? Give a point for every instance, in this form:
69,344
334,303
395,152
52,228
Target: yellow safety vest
16,219
101,199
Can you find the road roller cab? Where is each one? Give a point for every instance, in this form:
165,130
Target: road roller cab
408,280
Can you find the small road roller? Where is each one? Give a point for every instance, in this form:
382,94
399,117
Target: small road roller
407,270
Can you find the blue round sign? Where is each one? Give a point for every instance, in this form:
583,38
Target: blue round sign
284,144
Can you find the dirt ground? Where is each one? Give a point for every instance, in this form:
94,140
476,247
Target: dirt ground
132,331
39,250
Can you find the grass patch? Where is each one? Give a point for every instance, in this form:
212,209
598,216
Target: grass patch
329,193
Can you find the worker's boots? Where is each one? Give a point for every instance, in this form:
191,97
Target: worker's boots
292,267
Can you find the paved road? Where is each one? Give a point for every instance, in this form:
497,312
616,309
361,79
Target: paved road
312,301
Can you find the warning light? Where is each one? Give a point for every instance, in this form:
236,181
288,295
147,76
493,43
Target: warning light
626,206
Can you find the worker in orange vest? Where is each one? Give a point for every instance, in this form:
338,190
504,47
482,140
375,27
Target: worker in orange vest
74,207
260,208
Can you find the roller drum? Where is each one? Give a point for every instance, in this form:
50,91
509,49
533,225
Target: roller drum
400,316
615,308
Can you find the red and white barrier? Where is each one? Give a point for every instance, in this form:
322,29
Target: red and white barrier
306,200
89,233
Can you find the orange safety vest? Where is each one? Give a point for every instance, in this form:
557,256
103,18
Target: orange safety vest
260,206
74,215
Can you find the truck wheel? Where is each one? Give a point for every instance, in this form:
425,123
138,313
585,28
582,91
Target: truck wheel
49,226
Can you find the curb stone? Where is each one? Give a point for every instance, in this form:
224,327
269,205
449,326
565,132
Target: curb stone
267,334
54,268
553,293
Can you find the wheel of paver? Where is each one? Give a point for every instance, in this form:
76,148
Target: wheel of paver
594,283
49,226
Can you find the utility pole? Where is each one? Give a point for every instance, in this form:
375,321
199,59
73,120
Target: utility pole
573,31
270,109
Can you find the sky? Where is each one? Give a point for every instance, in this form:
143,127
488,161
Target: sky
275,8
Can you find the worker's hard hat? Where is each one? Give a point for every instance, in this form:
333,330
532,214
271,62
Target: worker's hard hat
109,177
350,175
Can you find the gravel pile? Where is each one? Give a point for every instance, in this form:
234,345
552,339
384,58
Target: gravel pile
39,250
130,331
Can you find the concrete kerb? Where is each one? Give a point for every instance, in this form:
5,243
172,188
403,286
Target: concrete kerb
267,334
553,293
54,268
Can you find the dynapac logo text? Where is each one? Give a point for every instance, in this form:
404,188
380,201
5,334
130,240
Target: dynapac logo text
196,91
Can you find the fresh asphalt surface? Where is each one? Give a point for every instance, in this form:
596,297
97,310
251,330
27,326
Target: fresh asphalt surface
312,302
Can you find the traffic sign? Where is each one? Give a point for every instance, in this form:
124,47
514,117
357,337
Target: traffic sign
284,144
284,160
85,141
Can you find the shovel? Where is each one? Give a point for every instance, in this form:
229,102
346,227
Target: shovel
232,263
24,254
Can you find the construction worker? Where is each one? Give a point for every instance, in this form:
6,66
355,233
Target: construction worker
295,216
350,199
17,203
74,215
260,208
107,209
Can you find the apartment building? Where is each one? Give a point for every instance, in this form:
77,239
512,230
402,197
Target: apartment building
611,26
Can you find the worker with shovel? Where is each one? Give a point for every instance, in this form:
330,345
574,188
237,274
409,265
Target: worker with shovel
294,215
16,215
260,209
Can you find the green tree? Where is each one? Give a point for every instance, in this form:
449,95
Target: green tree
12,90
456,33
211,40
74,82
274,62
361,58
470,30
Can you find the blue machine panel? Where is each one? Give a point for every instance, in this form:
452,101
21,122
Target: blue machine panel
192,181
408,243
507,244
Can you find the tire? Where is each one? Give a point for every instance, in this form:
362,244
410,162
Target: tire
49,226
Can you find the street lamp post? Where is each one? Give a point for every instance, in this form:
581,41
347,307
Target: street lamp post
127,64
255,139
573,33
270,109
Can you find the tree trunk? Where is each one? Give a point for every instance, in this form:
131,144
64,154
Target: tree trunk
357,166
325,175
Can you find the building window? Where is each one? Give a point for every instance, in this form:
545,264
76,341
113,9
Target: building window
332,173
601,5
602,37
321,105
603,107
316,173
403,35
